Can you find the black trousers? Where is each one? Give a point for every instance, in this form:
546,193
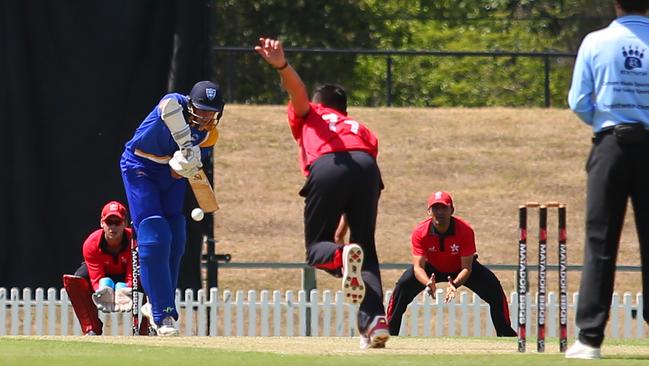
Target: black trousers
482,281
615,172
349,183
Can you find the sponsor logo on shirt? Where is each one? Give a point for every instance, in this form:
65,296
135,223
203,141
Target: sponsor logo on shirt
632,57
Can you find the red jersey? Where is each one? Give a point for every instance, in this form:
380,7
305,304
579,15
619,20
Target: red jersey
324,130
101,263
443,251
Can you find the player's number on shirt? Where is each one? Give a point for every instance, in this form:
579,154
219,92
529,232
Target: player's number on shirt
333,119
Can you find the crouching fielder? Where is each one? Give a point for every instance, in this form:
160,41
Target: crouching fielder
443,249
104,279
167,147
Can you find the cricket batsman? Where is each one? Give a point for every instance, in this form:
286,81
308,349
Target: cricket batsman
166,148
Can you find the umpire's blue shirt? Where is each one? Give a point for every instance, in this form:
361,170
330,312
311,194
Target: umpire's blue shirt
610,82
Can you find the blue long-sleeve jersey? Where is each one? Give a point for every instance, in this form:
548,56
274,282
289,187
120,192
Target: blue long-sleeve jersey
152,141
610,82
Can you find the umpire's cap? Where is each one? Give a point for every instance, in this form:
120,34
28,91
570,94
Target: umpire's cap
206,96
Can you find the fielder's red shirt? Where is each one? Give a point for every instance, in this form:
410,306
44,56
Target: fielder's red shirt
101,263
324,130
443,251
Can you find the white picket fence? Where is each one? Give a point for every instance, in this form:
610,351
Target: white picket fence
276,313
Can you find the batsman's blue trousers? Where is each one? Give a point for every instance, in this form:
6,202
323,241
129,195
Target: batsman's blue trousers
155,201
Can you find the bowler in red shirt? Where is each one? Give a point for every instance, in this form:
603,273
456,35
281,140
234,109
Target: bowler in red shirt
338,156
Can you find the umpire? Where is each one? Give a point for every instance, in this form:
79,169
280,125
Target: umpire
443,249
610,92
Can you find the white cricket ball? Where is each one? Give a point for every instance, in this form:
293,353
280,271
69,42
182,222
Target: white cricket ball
197,214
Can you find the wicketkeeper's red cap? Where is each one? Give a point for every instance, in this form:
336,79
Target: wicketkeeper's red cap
113,208
440,197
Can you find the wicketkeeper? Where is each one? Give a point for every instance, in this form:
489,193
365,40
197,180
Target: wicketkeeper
104,280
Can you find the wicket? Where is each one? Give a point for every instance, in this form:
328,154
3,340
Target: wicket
135,310
542,275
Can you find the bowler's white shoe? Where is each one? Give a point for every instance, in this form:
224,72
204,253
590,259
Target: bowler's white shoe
583,351
353,285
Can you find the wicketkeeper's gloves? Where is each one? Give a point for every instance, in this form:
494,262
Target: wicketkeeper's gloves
104,299
124,299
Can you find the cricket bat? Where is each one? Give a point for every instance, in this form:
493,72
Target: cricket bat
203,192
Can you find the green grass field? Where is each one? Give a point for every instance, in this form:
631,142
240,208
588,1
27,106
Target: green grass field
235,351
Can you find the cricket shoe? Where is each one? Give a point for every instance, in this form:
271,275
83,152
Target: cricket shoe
353,285
166,329
583,351
377,335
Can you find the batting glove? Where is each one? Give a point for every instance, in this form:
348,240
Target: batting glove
186,162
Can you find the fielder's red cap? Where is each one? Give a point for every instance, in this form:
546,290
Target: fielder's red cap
440,197
113,208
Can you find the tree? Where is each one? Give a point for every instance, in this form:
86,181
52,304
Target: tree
300,24
444,25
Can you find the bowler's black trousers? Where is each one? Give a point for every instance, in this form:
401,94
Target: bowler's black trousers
616,172
482,281
350,183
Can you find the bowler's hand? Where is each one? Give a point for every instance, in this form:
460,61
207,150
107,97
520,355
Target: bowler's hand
272,51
